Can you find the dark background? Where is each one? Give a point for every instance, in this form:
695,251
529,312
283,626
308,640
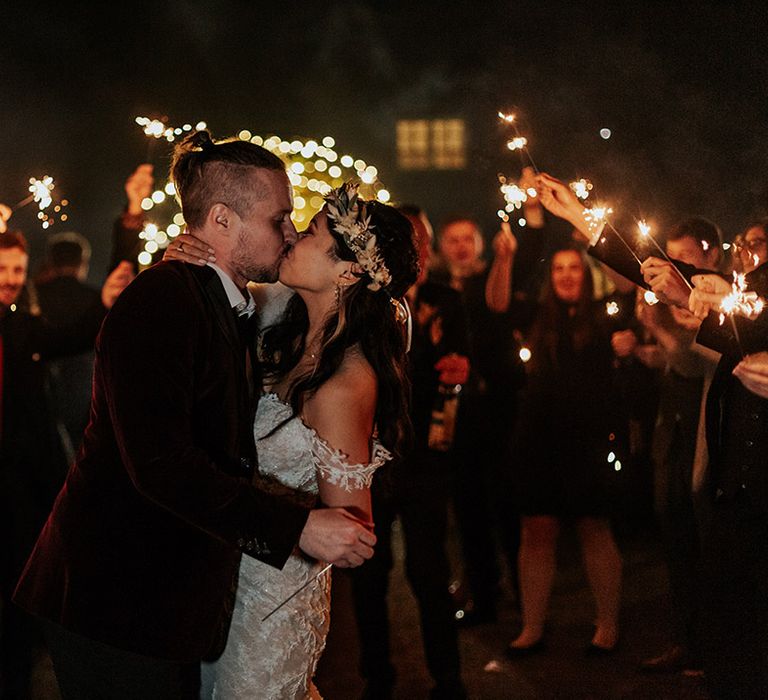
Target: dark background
682,86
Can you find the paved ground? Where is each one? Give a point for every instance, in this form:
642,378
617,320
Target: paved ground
562,671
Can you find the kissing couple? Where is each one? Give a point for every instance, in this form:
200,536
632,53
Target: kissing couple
230,448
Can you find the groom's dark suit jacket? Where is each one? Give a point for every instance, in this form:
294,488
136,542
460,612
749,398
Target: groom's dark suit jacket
143,544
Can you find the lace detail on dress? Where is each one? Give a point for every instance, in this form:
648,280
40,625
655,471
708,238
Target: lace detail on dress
333,465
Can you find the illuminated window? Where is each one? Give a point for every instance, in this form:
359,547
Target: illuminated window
438,143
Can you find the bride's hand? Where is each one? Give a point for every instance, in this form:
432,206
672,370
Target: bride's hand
189,249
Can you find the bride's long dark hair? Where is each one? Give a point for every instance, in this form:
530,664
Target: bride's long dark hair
363,317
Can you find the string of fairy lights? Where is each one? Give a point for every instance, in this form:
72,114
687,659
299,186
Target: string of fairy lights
315,167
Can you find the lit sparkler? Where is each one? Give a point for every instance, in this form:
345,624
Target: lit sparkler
645,232
518,142
581,188
650,298
40,192
612,308
740,302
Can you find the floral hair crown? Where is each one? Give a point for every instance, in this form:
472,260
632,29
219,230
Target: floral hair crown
351,223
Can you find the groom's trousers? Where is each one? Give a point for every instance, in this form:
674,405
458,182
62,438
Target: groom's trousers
89,670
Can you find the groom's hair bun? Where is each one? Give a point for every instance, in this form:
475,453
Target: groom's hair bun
205,172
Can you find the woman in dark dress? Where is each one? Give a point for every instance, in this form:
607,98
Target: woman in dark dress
563,441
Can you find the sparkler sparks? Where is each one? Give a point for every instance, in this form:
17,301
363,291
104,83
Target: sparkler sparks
740,302
596,217
517,143
612,308
650,298
581,188
41,190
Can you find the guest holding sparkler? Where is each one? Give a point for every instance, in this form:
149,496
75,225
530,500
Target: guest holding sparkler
735,578
486,410
680,450
562,449
32,460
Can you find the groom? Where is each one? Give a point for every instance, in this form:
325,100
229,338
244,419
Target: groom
136,567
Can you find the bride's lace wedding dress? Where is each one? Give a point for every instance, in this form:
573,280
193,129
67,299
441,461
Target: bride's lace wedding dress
276,658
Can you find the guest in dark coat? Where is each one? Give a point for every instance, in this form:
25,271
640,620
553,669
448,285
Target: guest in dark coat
64,297
33,460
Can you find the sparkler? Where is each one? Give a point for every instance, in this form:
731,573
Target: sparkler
518,142
514,196
742,303
581,188
296,592
645,232
612,308
40,192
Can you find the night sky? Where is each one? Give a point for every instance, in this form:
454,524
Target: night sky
683,87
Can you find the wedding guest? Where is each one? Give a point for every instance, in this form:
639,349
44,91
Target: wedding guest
735,558
680,453
64,296
33,462
561,451
486,412
417,489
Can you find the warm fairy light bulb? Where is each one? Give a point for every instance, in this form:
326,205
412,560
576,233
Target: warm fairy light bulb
524,354
383,195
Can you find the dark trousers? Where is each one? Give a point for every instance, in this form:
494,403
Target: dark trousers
89,670
485,512
735,603
682,543
417,491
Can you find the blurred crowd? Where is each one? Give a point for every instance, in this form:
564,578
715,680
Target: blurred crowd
549,391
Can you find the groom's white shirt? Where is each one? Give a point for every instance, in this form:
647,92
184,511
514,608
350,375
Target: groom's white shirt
237,301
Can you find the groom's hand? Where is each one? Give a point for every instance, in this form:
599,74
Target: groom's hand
336,536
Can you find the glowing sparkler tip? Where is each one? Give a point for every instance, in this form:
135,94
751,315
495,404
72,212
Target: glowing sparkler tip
508,118
644,228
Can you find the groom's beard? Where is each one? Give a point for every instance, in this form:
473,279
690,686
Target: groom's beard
264,273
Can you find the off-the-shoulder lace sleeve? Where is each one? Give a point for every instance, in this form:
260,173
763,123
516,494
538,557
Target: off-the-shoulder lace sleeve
333,465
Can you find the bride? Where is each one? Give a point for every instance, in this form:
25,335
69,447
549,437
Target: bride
334,408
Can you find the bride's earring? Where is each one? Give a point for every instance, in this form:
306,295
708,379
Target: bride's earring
338,295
